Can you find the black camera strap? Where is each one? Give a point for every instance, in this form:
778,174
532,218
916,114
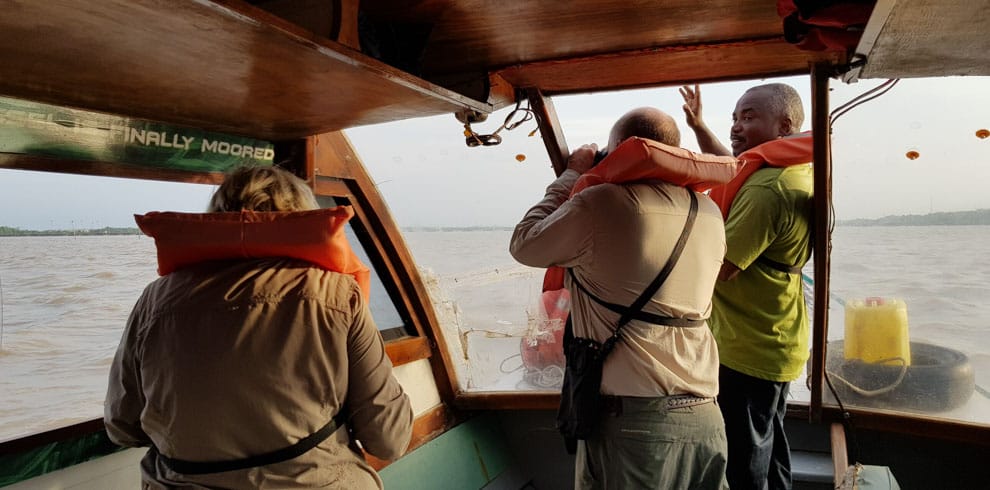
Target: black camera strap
277,456
628,313
640,315
580,396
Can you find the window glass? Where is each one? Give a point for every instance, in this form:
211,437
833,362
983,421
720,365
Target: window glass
65,295
911,158
457,207
908,314
588,119
383,310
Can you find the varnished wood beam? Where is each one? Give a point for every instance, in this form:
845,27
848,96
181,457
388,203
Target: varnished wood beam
404,351
840,454
333,19
325,186
550,131
335,156
509,400
671,65
426,427
911,424
501,93
220,65
822,148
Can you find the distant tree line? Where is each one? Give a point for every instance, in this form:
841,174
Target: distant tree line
107,230
977,217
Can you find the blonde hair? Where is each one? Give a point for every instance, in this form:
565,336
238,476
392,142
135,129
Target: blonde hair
262,189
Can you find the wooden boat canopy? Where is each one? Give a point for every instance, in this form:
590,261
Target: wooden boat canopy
925,38
284,69
298,72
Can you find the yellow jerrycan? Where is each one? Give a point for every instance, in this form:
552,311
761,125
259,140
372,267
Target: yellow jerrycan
877,330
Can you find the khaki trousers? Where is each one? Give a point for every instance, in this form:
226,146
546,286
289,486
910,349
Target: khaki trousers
647,444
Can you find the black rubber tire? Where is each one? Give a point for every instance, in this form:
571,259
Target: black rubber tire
938,379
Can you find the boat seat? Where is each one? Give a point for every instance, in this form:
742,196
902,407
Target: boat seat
812,470
816,459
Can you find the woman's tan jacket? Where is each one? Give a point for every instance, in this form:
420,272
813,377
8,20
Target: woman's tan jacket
232,359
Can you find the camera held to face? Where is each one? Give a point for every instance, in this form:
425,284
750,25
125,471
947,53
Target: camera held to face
599,156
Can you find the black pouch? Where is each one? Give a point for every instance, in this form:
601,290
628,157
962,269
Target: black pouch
580,398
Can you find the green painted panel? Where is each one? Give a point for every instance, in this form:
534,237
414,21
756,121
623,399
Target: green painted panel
466,457
39,129
54,456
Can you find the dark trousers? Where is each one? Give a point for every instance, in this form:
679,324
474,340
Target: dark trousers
754,409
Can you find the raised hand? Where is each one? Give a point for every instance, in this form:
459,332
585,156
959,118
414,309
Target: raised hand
707,141
692,106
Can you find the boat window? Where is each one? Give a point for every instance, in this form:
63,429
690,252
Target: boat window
72,265
588,118
908,314
383,310
457,206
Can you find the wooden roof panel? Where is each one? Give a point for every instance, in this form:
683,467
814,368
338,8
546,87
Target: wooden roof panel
229,68
472,34
926,38
668,66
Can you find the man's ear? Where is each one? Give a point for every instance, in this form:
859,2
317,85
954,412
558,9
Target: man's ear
786,128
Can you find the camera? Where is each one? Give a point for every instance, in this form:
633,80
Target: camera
599,156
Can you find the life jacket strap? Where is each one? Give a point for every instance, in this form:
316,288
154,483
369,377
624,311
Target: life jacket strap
780,266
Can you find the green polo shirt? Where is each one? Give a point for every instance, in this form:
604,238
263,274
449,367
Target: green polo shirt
759,317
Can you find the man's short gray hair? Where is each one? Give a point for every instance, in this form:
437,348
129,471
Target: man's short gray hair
784,101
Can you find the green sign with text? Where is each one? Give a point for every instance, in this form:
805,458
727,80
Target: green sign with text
32,128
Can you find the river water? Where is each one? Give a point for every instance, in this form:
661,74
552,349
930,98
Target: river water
64,302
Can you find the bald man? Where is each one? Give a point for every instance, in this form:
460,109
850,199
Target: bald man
661,428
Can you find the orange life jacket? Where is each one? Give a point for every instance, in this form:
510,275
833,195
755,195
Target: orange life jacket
783,152
317,236
638,159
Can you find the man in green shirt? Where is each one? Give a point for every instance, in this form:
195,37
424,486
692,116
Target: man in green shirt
759,318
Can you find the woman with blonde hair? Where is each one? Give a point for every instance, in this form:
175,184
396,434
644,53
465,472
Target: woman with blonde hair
249,364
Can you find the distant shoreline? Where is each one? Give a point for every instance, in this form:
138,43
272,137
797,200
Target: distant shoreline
979,217
105,231
958,218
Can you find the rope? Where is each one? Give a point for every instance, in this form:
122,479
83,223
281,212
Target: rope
473,139
551,376
878,391
501,365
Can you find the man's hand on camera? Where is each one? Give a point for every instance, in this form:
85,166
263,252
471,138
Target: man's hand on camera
582,159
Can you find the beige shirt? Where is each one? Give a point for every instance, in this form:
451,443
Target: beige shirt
617,238
239,358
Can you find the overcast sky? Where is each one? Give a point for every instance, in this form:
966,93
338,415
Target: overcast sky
428,176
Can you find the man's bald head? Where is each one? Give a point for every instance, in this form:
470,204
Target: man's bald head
645,122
